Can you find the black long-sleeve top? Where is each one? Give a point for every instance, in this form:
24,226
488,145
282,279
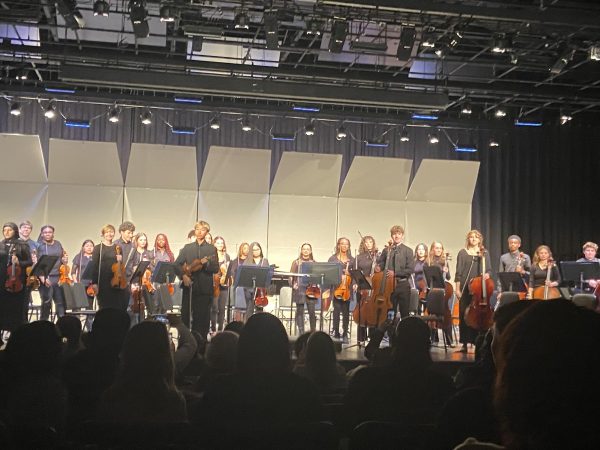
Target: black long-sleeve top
537,276
465,271
364,261
402,261
202,279
22,252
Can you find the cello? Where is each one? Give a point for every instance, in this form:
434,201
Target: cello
479,314
546,292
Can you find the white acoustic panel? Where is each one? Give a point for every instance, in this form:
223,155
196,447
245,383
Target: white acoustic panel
435,221
84,162
377,178
444,181
312,174
80,212
371,218
294,220
237,170
168,211
22,158
24,201
238,217
162,166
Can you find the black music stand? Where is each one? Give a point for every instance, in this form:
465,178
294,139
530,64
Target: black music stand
164,273
322,274
577,272
44,265
511,282
253,277
138,274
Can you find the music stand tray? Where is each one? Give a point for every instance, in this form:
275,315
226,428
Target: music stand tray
434,277
576,272
44,265
139,271
359,278
512,282
164,272
253,276
323,274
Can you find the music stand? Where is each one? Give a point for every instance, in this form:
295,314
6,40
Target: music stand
363,285
139,274
44,265
253,277
164,273
511,282
577,272
322,274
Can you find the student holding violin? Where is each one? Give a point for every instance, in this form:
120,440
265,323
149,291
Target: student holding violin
469,264
195,266
544,278
49,288
299,290
514,261
15,258
125,242
258,297
401,267
106,256
341,294
219,303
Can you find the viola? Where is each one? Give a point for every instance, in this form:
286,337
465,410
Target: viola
32,281
260,297
13,282
479,314
146,281
344,289
90,291
64,271
119,279
313,291
546,292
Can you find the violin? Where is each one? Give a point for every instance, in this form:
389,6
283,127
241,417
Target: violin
479,314
32,281
343,290
64,271
313,291
13,282
146,281
216,284
196,265
119,279
546,292
90,291
260,297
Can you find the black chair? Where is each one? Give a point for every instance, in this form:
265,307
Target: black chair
508,298
588,301
436,307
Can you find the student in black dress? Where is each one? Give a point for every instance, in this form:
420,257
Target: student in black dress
299,291
219,304
255,258
542,262
401,267
469,266
103,258
13,305
199,284
49,288
341,300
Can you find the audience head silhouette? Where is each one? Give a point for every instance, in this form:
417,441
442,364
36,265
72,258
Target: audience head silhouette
411,342
321,364
221,353
34,349
109,329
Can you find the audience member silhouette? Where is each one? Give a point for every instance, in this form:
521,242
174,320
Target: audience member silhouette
69,328
221,358
236,326
321,366
144,390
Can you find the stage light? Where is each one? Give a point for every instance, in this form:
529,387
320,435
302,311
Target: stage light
340,133
455,38
417,116
339,31
441,52
406,43
466,109
314,27
68,9
433,138
500,113
214,123
465,148
404,136
113,115
376,143
192,100
309,129
271,30
166,13
241,21
77,123
283,137
562,61
101,8
146,117
183,130
565,118
139,18
246,126
58,90
428,41
528,123
306,108
50,111
22,75
501,43
594,52
494,143
15,109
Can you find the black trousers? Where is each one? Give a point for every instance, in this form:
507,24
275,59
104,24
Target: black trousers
341,307
48,294
401,298
201,304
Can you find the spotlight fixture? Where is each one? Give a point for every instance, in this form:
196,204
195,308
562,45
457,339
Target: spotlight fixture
340,133
271,30
15,109
441,51
22,75
146,117
139,18
339,31
214,123
456,38
68,9
113,114
404,136
562,61
405,45
466,109
433,138
314,27
500,113
494,143
501,43
565,117
166,13
594,52
50,111
241,21
428,41
101,8
246,124
309,129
